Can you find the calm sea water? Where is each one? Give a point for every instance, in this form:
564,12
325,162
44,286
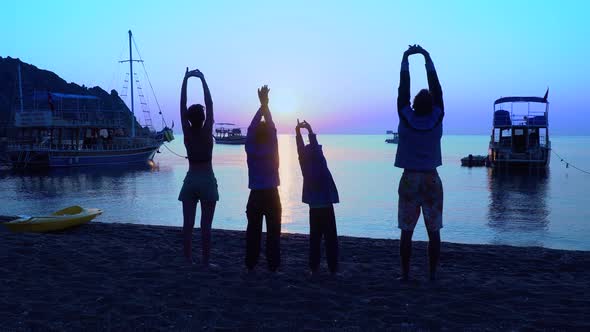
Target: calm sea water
548,210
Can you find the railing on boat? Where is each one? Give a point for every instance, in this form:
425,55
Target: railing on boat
69,118
68,147
520,112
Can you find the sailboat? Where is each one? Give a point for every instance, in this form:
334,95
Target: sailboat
70,130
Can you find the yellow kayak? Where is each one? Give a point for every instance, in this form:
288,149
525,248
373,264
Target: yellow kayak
62,219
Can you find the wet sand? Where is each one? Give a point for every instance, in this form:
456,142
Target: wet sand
132,277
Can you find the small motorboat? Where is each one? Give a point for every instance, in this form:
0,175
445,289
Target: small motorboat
394,139
475,161
62,219
228,133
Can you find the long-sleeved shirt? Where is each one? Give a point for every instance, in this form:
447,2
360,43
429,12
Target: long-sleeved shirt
419,135
319,188
262,157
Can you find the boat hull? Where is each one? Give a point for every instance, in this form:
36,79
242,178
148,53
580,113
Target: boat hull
499,158
231,141
130,157
81,158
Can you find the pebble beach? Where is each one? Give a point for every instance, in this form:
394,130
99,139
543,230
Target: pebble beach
114,277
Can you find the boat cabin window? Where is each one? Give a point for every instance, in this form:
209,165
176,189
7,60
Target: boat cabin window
502,136
496,135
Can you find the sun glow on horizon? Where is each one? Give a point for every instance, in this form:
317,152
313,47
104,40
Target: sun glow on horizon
284,101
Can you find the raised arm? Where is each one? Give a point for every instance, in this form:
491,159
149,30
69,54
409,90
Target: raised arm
403,92
183,108
433,83
268,117
209,120
299,141
263,97
256,119
299,138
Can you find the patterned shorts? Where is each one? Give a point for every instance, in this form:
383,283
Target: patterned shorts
420,190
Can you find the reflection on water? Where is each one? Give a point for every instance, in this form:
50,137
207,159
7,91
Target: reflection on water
480,206
518,202
287,174
57,182
125,194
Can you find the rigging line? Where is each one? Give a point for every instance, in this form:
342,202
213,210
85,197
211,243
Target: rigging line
116,73
179,155
569,164
149,82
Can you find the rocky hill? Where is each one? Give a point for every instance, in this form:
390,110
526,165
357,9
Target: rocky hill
35,79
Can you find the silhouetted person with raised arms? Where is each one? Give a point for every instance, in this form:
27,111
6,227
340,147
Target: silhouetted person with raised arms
319,191
419,154
262,151
200,183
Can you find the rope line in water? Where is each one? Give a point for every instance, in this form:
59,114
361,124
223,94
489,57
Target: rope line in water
568,164
174,153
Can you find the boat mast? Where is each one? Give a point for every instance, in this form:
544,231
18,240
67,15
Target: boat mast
130,60
131,80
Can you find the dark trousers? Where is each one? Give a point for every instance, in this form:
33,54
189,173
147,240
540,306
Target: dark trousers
264,203
322,222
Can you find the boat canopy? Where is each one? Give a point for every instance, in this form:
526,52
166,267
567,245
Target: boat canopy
521,100
58,96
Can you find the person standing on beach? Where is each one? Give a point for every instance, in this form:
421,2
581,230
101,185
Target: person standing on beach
200,183
262,152
419,154
319,191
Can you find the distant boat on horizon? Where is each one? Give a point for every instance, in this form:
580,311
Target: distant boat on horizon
71,130
228,133
394,139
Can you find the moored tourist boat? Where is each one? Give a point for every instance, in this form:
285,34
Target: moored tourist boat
520,134
56,129
228,133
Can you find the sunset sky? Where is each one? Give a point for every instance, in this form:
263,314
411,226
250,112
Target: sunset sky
333,63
